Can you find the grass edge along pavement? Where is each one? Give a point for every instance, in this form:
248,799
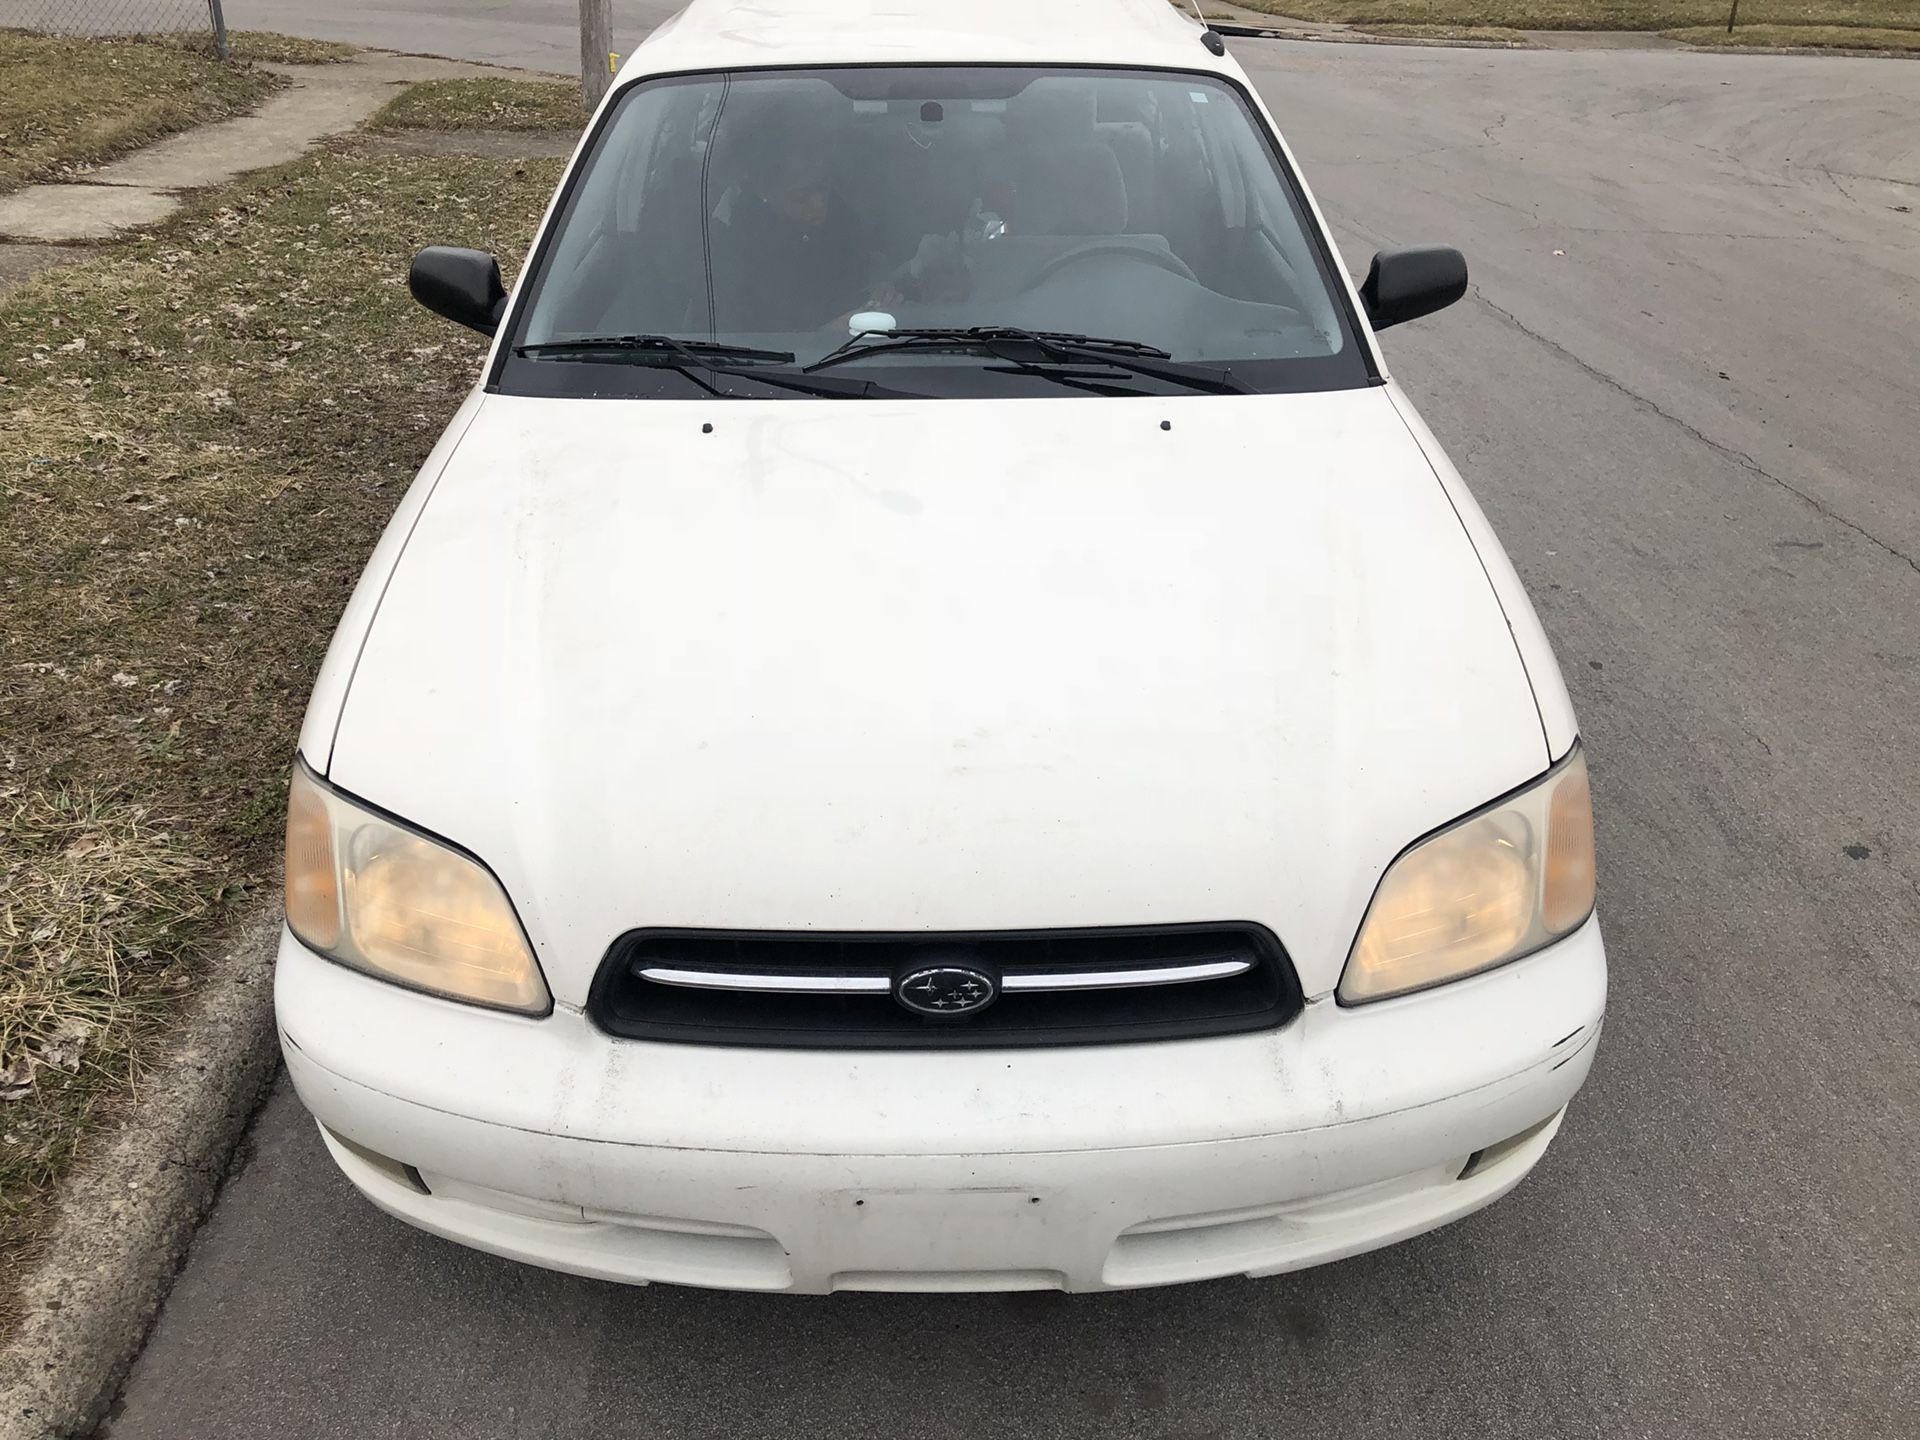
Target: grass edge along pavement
1852,38
1479,34
206,428
260,47
68,104
128,1217
1878,25
484,103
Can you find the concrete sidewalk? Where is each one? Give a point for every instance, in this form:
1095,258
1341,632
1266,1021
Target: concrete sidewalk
146,186
529,34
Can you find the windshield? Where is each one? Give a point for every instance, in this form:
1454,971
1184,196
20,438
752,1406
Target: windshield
754,222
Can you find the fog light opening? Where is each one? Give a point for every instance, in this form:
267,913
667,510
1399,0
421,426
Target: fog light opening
1483,1160
397,1171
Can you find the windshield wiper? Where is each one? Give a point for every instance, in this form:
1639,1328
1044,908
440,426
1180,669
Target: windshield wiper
1055,347
977,337
825,387
764,367
691,352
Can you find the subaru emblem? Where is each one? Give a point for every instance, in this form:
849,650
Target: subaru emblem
946,991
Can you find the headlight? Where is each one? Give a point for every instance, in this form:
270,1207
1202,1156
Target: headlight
1492,888
371,893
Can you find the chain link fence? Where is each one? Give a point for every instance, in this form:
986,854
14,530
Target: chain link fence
112,17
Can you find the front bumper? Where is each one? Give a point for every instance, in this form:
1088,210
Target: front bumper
1094,1168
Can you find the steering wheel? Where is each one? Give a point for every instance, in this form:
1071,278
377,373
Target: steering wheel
1114,250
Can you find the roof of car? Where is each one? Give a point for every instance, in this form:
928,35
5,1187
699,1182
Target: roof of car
738,34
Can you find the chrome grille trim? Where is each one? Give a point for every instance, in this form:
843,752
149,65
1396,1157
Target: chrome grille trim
1125,979
769,984
1030,981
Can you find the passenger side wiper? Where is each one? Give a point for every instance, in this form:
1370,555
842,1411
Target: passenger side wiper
1055,346
692,352
976,337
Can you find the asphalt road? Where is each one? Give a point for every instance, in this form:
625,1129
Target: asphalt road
1684,386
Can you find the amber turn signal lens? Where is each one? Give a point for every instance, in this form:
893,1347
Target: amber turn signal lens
313,876
1571,878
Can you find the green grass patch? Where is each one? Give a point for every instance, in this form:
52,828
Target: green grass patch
484,104
207,428
1759,15
262,47
1816,37
68,103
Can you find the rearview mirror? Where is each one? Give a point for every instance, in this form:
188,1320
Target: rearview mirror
462,285
1406,284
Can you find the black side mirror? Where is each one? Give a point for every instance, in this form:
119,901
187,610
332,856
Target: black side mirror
462,285
1406,284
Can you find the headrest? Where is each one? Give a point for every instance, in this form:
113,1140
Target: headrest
1055,109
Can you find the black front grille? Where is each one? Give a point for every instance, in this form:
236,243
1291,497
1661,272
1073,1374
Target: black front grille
711,999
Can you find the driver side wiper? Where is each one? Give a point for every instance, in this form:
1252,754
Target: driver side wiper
694,352
1134,356
718,358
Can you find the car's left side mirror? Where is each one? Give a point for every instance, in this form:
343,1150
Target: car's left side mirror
462,285
1406,284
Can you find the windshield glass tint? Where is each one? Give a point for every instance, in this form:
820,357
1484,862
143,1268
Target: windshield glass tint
770,209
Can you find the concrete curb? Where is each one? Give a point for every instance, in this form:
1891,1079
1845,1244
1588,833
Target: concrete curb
127,1216
1285,27
1832,52
1362,37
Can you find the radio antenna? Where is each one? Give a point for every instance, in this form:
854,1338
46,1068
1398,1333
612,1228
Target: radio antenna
1209,36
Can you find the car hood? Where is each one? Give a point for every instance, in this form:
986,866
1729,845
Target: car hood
948,665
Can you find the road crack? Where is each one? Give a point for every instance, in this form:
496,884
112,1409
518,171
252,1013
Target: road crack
1739,457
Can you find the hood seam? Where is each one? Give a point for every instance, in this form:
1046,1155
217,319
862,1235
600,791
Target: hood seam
432,483
1519,654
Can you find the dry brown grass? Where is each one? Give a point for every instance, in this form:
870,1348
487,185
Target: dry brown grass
202,433
98,901
256,47
71,103
484,104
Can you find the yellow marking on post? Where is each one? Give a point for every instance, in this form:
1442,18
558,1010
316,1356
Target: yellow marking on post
613,62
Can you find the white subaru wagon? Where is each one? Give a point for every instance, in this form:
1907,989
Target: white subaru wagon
937,721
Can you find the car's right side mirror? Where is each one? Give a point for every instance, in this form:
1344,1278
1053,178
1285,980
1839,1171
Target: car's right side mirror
462,285
1406,284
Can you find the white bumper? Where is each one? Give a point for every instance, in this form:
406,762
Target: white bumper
1070,1168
